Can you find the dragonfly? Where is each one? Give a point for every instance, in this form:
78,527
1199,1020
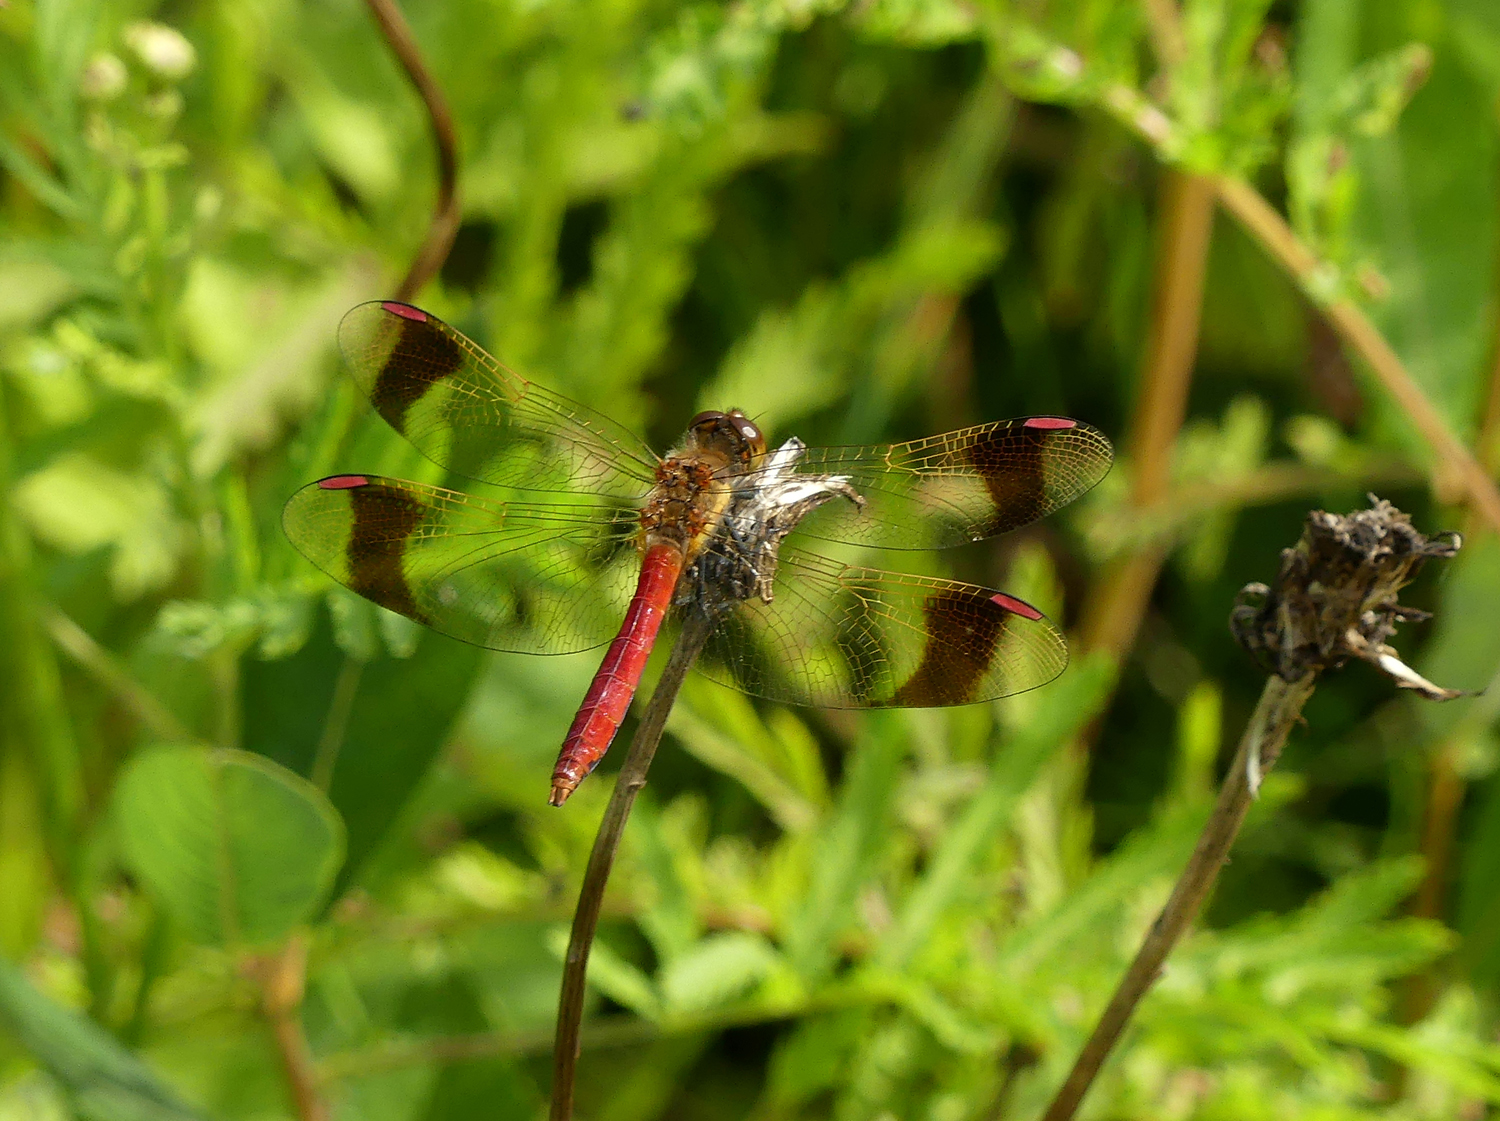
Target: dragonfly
591,538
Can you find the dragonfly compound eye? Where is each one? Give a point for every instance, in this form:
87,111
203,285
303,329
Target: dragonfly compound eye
754,439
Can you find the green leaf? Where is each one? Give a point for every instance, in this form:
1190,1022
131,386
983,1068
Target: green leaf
612,975
1479,903
46,189
397,720
1431,210
716,971
1375,94
78,503
669,919
106,1082
1464,651
798,360
236,848
1070,704
850,845
776,760
813,1056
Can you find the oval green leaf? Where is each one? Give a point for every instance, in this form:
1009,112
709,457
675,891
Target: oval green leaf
236,848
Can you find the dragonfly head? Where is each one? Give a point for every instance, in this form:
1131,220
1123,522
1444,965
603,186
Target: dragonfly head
732,435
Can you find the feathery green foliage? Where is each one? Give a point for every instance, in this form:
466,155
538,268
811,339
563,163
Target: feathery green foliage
859,222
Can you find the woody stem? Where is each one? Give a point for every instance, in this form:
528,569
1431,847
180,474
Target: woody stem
695,631
1280,704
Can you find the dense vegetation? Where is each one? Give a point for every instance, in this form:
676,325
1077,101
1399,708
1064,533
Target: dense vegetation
858,222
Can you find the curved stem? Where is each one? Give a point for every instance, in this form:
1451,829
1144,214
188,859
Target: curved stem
695,632
1268,227
1263,223
282,984
288,972
1118,603
336,723
1280,703
445,215
103,667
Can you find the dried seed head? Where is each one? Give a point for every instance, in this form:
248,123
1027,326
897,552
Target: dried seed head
1335,596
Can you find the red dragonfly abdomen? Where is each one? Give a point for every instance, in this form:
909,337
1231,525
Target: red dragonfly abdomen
614,685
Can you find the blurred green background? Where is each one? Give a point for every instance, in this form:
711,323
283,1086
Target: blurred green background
858,222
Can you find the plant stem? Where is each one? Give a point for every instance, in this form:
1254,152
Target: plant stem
1262,222
607,1031
1165,26
1268,227
336,723
695,631
103,667
1186,222
446,212
1280,704
284,979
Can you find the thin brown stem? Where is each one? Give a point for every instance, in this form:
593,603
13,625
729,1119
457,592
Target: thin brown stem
1443,800
1187,207
282,987
695,631
1260,219
101,665
1280,704
1162,20
446,212
1172,345
1268,227
336,723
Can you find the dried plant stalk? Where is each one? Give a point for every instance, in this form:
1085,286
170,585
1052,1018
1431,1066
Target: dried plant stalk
1335,598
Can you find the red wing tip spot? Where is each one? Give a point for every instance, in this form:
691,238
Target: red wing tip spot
343,482
1015,606
1049,422
406,311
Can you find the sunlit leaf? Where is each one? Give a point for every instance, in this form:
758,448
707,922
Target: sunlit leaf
103,1080
716,971
237,849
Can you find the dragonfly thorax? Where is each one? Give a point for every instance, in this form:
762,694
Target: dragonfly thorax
685,504
694,484
764,506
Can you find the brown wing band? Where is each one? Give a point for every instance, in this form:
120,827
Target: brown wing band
964,628
1010,462
423,356
382,524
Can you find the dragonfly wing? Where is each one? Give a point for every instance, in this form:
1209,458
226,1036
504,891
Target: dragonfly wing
959,486
466,412
846,636
524,577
